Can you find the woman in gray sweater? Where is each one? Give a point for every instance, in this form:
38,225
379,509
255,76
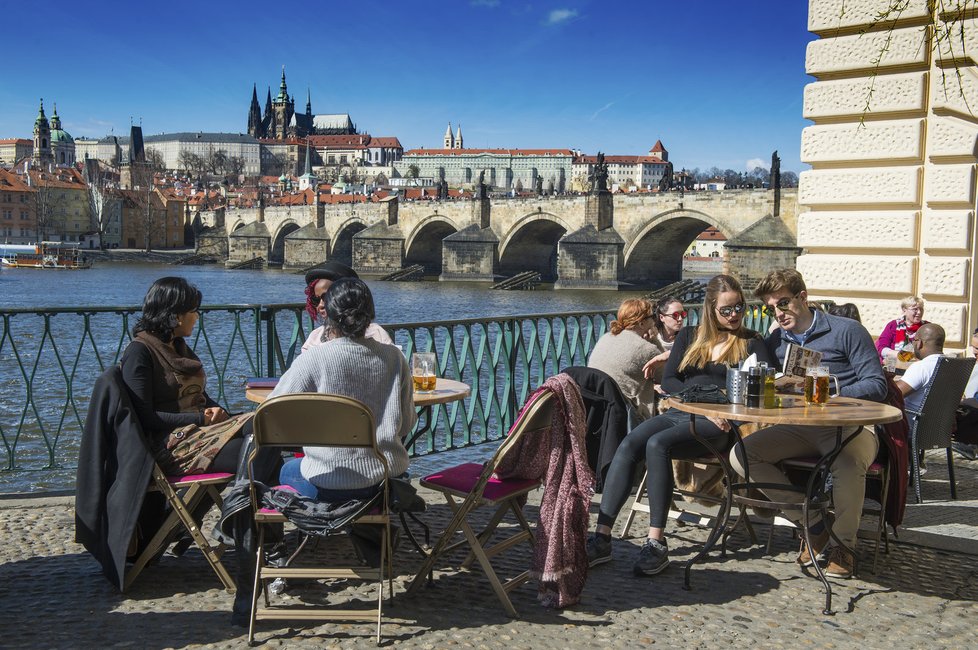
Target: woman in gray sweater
354,366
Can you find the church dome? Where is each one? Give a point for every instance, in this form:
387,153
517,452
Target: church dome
60,135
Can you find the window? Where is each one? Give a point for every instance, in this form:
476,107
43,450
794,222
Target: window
24,216
8,214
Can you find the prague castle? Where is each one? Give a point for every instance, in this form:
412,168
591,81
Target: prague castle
280,121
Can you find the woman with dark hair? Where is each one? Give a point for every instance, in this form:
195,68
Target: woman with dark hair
669,315
846,310
318,282
701,355
353,365
167,382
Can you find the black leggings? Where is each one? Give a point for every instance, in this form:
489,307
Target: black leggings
656,441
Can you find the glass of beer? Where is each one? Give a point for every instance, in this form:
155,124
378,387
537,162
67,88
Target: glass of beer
906,352
817,385
423,371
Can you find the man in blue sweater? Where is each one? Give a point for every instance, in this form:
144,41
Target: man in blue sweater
848,350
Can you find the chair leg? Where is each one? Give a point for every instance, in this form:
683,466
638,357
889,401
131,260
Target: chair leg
636,506
483,559
915,467
950,474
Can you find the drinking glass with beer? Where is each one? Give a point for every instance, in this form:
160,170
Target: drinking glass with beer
906,352
817,385
423,371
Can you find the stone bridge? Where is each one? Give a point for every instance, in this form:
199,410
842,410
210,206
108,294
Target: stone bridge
600,241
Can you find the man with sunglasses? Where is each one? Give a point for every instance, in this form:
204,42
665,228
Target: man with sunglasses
848,350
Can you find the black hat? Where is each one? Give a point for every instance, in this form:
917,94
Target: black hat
330,271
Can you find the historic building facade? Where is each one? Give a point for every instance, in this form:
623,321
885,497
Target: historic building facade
502,168
280,121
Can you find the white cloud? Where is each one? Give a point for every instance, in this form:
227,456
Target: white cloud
558,16
484,3
755,162
602,110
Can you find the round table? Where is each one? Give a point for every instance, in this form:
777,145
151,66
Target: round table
446,391
839,412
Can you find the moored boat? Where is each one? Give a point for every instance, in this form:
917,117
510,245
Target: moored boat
46,255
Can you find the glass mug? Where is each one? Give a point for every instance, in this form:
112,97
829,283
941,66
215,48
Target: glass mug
817,385
906,352
423,371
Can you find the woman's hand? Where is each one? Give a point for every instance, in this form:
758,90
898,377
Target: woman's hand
723,425
650,366
215,414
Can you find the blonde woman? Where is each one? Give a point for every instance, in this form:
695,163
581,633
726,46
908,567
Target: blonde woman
700,355
900,332
624,351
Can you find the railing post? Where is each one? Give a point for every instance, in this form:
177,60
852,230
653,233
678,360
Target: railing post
268,316
511,341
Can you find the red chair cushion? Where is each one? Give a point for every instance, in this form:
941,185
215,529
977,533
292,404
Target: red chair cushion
462,478
188,478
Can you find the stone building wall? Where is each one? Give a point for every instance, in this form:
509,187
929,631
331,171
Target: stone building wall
891,192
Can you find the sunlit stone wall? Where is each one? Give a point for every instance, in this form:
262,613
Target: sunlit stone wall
891,191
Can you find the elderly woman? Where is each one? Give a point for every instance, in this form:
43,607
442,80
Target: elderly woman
167,384
701,355
356,366
899,333
624,351
318,282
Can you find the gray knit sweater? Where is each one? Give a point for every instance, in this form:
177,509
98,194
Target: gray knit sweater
374,373
622,356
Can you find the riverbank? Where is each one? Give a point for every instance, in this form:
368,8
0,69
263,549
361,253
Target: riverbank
137,256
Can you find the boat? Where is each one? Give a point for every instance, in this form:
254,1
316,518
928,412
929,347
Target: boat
46,255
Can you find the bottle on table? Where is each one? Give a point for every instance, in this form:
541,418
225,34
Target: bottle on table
754,387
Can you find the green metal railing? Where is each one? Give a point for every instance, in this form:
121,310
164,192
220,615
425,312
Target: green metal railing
49,360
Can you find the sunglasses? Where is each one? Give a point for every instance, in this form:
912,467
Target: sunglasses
318,299
676,315
729,311
781,305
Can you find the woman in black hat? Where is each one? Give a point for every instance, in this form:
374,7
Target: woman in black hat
318,282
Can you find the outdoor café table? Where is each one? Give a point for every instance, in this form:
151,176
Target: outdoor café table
839,412
445,392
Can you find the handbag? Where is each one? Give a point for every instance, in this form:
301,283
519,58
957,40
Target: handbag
191,449
702,393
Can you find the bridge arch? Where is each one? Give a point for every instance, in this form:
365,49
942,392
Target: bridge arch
654,257
276,255
341,248
238,226
424,244
531,245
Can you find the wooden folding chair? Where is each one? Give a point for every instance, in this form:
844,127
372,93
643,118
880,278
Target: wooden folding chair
185,494
470,486
318,420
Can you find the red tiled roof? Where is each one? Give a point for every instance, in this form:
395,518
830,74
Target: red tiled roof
657,146
10,182
62,177
711,234
292,141
339,140
504,152
17,141
619,160
390,142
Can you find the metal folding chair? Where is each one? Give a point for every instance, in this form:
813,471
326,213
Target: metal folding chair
318,420
470,486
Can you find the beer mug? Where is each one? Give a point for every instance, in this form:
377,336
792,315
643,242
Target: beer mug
817,385
423,371
889,362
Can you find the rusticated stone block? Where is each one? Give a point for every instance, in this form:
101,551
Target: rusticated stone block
876,313
882,94
890,140
959,44
944,276
864,273
878,185
827,15
870,51
948,136
877,229
947,229
953,317
955,93
951,184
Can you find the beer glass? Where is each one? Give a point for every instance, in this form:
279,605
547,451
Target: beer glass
423,371
906,352
817,385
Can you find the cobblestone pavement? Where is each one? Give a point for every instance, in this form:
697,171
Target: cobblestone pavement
923,595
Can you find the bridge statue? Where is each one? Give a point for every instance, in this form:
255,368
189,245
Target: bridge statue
538,185
442,190
666,183
480,187
599,177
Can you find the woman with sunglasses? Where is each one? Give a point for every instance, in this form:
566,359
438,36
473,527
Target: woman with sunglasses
624,351
318,282
669,315
700,355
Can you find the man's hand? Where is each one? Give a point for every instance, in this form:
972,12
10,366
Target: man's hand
215,414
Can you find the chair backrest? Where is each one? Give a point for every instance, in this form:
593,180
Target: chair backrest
942,394
314,420
536,415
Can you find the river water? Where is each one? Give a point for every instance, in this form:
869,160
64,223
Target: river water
124,285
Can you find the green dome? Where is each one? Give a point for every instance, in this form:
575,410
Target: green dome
58,135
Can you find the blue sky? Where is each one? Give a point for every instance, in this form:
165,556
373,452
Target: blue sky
720,83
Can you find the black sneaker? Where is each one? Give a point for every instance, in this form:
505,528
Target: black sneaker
598,550
652,559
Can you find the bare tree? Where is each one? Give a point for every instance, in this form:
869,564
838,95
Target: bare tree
155,159
192,163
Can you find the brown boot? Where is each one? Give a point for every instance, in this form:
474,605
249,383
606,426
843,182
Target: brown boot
841,563
819,541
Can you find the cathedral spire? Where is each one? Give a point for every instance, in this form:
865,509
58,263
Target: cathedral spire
308,102
283,91
449,138
254,113
458,138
